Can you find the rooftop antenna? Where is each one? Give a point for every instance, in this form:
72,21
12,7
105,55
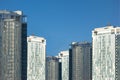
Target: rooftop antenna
32,34
108,24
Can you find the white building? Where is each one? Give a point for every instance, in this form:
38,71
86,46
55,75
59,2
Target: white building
64,58
36,58
106,53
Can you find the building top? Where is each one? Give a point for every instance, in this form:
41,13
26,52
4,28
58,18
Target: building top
81,44
13,15
36,39
63,53
18,12
52,58
107,29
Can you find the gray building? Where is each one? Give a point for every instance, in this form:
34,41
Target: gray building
52,68
80,60
106,53
13,45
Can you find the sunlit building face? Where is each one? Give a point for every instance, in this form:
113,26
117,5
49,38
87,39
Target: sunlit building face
106,53
36,58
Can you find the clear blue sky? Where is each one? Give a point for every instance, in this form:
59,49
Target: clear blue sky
64,21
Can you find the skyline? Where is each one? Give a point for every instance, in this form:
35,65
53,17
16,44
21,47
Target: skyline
62,22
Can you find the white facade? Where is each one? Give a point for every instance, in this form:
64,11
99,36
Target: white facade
106,53
36,58
64,58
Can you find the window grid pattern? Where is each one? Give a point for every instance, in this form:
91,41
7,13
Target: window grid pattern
10,47
65,67
106,53
36,60
81,61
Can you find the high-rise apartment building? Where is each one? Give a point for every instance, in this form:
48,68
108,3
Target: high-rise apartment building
36,69
52,68
81,61
106,53
64,59
13,45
